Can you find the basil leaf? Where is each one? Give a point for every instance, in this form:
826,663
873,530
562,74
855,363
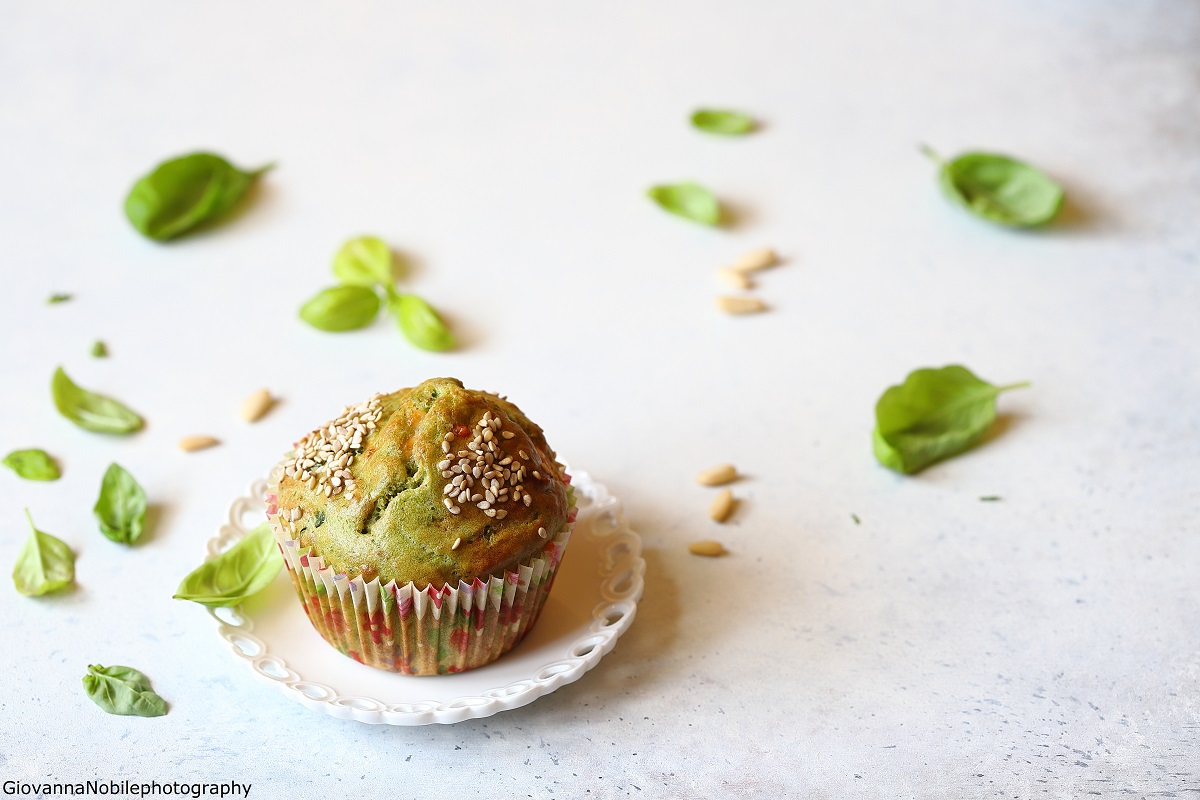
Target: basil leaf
420,324
33,465
728,123
45,564
93,412
123,691
934,414
364,261
688,200
240,572
121,508
54,299
341,308
999,188
99,349
184,192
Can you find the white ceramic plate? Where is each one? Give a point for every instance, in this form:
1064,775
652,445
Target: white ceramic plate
593,602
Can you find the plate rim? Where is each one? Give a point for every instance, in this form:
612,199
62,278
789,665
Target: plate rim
622,580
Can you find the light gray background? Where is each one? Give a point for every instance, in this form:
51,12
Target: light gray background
1044,646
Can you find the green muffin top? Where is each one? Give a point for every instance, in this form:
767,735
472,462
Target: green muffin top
433,484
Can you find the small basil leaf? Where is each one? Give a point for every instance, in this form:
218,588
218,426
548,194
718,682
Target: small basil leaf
45,564
123,691
54,299
728,123
364,261
99,349
999,188
240,572
934,414
121,508
33,465
93,412
419,322
688,200
184,192
341,308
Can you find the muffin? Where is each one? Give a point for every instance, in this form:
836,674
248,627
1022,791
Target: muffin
422,529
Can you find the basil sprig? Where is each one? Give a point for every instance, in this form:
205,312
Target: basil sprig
182,193
934,414
33,465
93,412
724,122
123,691
341,308
999,188
45,564
364,261
364,267
121,507
419,322
688,200
240,572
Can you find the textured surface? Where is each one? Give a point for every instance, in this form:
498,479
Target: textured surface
1042,646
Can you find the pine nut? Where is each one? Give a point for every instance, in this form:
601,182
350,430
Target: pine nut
722,506
755,260
740,305
735,279
191,443
256,405
718,475
707,548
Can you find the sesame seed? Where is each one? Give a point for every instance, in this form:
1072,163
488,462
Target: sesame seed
487,434
295,515
456,469
449,435
542,533
476,471
506,461
445,464
484,504
447,473
464,496
524,456
491,512
457,542
475,498
537,474
445,447
528,500
491,498
448,503
448,488
455,510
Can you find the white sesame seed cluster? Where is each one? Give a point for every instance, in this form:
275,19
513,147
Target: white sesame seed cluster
322,459
483,473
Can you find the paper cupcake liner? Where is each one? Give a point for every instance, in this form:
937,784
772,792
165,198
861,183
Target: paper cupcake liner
432,631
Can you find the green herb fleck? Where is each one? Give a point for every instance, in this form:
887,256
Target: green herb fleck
121,507
183,193
240,572
727,123
341,308
55,299
857,521
93,412
999,188
991,498
45,564
33,465
934,414
123,691
688,200
99,349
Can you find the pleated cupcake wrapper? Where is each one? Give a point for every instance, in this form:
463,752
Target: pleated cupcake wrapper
430,631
